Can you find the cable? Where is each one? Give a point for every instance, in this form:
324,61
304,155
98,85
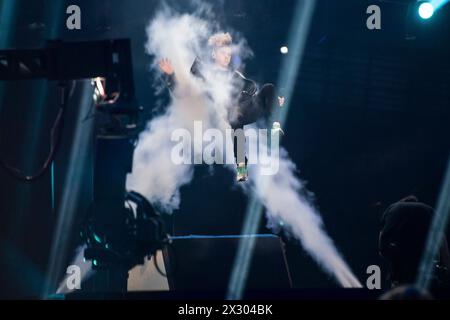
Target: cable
55,137
155,262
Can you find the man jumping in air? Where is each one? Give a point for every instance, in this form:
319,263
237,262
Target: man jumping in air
252,104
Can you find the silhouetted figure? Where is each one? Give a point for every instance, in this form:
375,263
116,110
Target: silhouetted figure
403,236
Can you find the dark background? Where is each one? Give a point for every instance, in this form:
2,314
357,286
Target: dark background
368,124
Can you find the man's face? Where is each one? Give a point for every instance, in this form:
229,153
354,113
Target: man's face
222,56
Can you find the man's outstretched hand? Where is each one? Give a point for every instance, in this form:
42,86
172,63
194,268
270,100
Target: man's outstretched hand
165,66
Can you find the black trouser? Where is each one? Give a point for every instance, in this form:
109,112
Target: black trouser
252,109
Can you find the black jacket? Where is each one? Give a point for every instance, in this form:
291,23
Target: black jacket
247,87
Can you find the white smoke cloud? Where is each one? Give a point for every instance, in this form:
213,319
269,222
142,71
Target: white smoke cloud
181,38
282,196
154,175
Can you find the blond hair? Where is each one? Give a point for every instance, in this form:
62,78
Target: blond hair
220,40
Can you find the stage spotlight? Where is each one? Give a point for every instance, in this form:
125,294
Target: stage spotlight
101,96
284,50
426,10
